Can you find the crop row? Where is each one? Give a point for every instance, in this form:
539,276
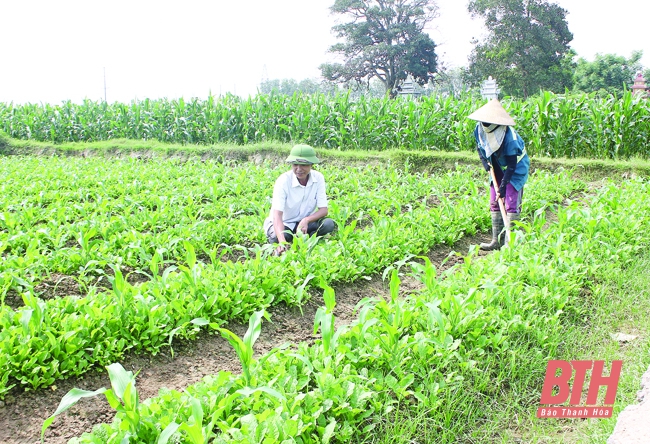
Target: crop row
66,220
571,125
57,338
413,350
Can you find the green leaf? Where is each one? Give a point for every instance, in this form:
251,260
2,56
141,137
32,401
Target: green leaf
167,433
247,391
190,254
329,432
197,410
394,286
68,401
254,328
25,317
120,379
113,400
329,298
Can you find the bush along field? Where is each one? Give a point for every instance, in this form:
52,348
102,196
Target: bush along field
484,327
79,231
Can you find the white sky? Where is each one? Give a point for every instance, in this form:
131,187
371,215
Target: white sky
57,50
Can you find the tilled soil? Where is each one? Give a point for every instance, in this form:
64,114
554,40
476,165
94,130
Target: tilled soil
23,412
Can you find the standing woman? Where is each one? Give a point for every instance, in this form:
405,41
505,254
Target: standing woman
500,147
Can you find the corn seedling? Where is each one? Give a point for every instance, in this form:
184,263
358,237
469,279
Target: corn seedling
123,397
244,347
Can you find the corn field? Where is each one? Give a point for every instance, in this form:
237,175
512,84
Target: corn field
552,125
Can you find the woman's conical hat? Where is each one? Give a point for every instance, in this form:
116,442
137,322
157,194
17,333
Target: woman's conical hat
492,112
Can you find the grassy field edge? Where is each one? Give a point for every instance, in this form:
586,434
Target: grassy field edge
276,152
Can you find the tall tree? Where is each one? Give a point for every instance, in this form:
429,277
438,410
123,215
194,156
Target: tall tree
527,47
609,72
383,39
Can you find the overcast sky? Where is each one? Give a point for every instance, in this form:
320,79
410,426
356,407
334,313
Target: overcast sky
57,50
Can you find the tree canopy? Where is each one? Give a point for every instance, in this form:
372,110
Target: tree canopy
527,47
610,72
383,39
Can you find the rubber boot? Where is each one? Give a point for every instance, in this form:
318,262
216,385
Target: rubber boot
497,228
512,217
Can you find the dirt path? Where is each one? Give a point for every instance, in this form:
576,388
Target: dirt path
633,423
22,413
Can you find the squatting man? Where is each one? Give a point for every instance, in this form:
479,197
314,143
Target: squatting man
299,204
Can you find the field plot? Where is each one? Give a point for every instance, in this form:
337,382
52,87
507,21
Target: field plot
447,348
136,217
555,125
101,257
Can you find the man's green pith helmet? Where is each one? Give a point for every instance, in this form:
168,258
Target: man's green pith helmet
302,154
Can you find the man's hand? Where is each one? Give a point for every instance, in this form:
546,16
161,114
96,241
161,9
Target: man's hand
281,249
302,226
